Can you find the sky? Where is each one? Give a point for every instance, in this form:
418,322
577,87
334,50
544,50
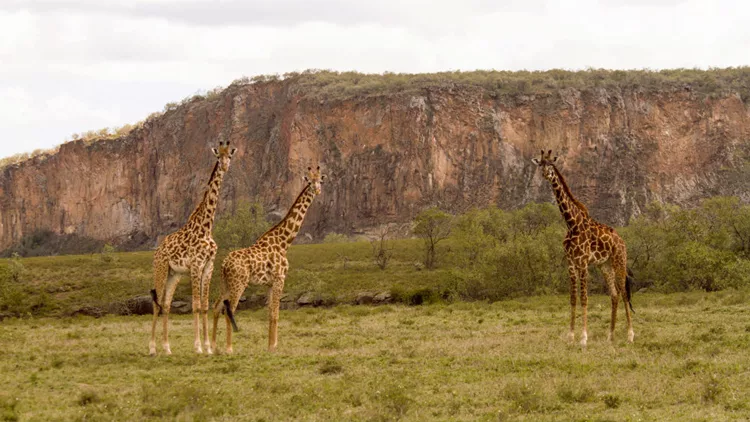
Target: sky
69,66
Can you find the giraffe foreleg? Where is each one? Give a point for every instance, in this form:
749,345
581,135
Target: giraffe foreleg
573,274
196,278
205,288
583,274
274,303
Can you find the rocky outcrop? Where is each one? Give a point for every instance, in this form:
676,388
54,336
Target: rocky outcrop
387,157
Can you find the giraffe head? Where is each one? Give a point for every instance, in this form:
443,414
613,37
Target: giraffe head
314,179
546,162
224,155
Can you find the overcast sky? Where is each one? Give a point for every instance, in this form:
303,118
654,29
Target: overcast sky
68,66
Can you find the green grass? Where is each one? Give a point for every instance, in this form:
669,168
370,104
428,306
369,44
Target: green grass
72,281
506,360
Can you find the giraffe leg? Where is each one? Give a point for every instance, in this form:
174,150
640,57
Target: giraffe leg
583,274
614,292
166,305
573,283
631,333
625,289
218,306
234,301
161,271
205,284
274,302
196,277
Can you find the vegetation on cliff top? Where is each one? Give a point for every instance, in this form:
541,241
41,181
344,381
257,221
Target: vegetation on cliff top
342,85
337,86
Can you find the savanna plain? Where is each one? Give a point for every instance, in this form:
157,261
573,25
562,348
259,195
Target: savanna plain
444,359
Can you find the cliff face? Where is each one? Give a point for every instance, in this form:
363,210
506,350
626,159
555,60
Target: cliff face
387,157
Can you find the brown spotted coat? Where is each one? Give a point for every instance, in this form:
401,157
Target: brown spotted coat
190,250
264,263
589,242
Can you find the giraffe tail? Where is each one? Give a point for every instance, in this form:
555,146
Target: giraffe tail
156,302
629,288
230,314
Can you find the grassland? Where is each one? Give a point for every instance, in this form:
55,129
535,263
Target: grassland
506,360
336,271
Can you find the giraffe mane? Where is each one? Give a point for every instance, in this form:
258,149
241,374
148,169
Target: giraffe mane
288,212
565,187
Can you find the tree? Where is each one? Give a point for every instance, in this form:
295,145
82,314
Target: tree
243,228
381,249
432,225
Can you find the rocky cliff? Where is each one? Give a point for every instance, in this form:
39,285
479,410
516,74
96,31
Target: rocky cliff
388,154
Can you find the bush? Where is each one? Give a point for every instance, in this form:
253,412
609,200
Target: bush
243,228
503,254
433,226
108,253
335,238
706,248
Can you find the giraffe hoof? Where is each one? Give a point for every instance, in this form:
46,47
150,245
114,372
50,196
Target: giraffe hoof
631,336
229,351
571,337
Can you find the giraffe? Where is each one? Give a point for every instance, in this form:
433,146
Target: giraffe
264,263
190,250
589,242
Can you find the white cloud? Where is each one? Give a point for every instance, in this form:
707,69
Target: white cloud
93,63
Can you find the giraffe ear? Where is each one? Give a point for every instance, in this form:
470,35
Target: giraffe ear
306,179
554,159
215,151
323,177
535,161
233,151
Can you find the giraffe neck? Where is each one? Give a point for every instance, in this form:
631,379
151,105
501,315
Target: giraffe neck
202,219
286,230
571,209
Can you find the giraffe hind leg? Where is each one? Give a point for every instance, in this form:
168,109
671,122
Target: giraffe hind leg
629,308
614,294
169,290
230,315
161,273
156,302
